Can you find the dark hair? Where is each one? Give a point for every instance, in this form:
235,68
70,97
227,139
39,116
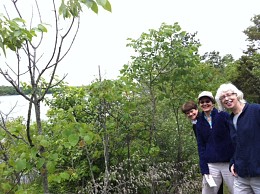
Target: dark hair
211,99
187,106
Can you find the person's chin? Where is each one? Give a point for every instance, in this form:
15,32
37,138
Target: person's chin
229,105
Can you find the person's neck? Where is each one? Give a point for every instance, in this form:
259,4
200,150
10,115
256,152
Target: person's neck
207,114
238,109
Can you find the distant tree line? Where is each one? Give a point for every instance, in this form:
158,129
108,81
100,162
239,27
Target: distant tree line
10,90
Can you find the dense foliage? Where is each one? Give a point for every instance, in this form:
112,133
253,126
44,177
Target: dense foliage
126,135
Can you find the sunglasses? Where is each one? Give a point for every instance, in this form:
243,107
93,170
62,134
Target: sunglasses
205,101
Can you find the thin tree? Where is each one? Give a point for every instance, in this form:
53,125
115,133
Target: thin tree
31,63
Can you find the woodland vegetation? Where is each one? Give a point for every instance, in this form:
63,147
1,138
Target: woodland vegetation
113,136
10,90
7,90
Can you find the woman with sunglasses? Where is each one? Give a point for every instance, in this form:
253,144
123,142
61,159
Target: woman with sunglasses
214,145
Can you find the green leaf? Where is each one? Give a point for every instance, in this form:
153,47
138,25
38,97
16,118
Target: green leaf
2,166
44,143
16,129
32,32
73,139
20,164
88,3
40,163
17,33
19,20
3,47
102,2
105,4
88,139
51,166
57,179
67,132
64,175
63,10
54,156
94,7
66,144
42,28
108,6
6,186
33,152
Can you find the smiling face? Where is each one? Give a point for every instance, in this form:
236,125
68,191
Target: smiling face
206,104
192,114
229,100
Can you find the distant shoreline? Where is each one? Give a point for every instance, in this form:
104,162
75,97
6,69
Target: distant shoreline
9,91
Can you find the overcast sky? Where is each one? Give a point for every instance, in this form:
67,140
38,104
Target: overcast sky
102,38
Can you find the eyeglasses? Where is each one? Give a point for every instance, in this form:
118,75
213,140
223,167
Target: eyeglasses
206,101
228,95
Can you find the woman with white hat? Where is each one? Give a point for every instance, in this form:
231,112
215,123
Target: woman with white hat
214,145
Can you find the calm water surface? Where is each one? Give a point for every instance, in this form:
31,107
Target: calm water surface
15,106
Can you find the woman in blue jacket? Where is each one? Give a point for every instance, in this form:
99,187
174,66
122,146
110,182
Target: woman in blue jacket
245,133
214,144
190,109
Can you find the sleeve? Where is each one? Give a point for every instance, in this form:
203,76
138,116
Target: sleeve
194,130
227,120
201,150
231,132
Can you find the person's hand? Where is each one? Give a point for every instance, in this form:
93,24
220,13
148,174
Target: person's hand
206,176
233,171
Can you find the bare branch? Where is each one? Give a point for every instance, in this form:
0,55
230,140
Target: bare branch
17,10
13,83
74,37
56,34
40,18
6,12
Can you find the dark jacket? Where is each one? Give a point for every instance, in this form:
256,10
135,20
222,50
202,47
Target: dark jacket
247,141
194,126
214,144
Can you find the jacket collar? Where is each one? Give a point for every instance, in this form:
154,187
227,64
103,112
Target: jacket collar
213,112
245,107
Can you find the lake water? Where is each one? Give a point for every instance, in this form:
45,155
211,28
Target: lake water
15,106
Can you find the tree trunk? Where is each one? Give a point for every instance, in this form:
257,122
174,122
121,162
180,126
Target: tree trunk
44,170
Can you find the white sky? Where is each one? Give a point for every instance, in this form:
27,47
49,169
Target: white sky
102,38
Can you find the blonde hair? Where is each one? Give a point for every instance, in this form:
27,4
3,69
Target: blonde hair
228,87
